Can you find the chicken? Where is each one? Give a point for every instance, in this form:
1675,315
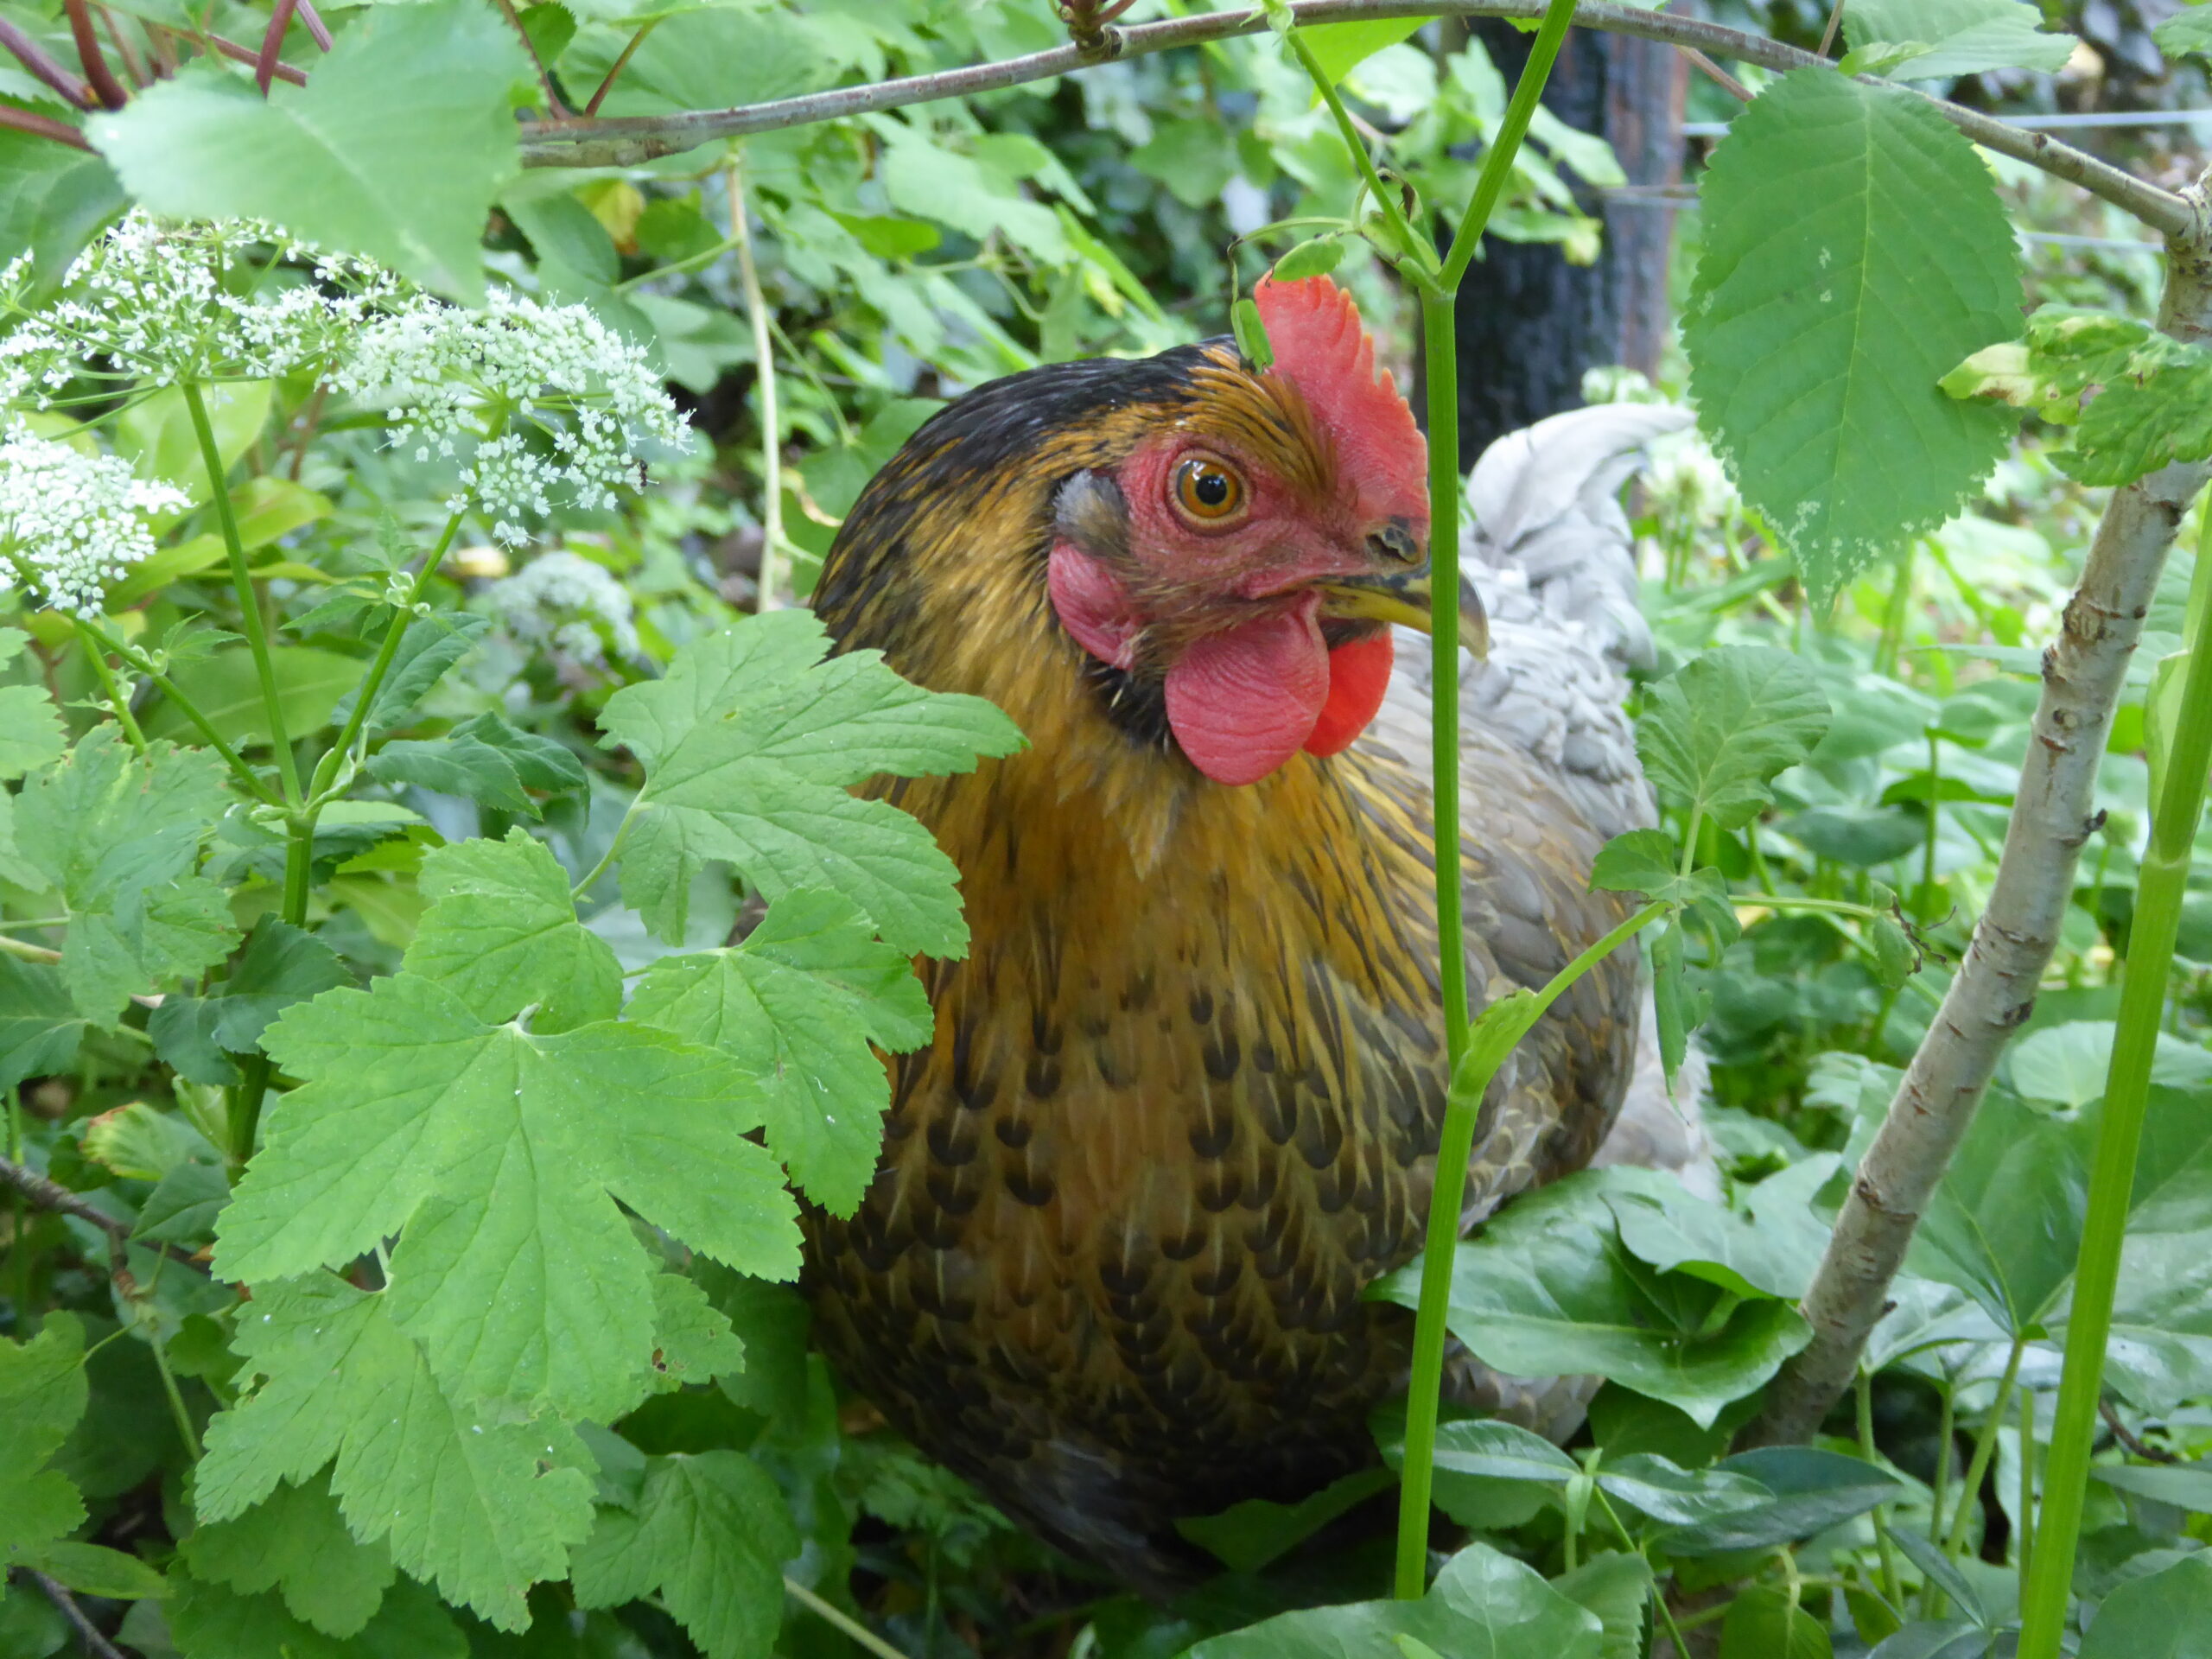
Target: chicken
1183,1101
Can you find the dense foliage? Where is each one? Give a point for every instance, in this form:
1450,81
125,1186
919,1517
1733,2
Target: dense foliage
439,949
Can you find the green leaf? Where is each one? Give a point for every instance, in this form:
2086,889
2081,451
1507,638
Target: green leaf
1763,1623
798,1004
1615,1588
1955,37
281,965
2157,1616
502,933
430,646
30,726
395,148
561,228
749,742
1483,1605
455,766
183,1205
227,688
711,1535
2185,32
1667,1493
2005,1223
53,200
208,1620
496,1154
295,1541
1316,258
141,1144
480,1502
1548,1289
40,1026
1854,250
96,1570
1251,330
118,837
157,437
1340,47
42,1394
1813,1491
1716,731
1246,1536
1773,1251
692,1340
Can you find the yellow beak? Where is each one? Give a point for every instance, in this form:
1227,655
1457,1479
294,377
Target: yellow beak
1406,601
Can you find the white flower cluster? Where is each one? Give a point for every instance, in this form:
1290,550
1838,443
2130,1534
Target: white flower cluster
537,402
564,604
70,522
158,303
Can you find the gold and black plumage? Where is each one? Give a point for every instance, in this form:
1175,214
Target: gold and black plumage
1183,1100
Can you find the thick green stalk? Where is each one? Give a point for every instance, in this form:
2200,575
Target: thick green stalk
2161,885
1497,164
1414,243
257,637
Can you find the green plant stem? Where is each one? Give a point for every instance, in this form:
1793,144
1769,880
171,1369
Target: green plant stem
1417,244
177,1400
613,849
1892,1583
257,637
2025,1545
19,1211
373,683
142,663
1502,1024
98,657
1437,339
2162,883
838,1619
1497,164
766,596
1940,1489
1984,1447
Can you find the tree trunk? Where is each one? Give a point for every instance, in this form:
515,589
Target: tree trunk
1529,323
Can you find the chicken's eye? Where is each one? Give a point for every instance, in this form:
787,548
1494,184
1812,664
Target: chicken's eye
1208,491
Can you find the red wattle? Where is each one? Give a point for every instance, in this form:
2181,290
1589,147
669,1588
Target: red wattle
1359,675
1241,702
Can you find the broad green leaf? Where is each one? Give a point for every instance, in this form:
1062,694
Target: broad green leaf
480,1502
1316,258
30,726
295,1542
268,509
42,1394
1763,1623
1854,250
1487,1449
2160,1617
183,1205
2185,32
502,934
561,228
118,837
281,965
209,1619
395,148
96,1570
54,199
1615,1588
1813,1491
692,1340
1483,1605
157,437
749,742
711,1535
485,759
1944,38
227,688
2184,1485
1669,1493
1773,1251
2005,1225
142,1144
798,1004
1246,1536
1339,47
40,1026
1547,1289
1716,731
496,1153
430,646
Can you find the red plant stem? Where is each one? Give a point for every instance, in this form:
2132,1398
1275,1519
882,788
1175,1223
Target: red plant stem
272,42
164,50
554,108
42,126
33,56
317,29
247,54
615,68
133,65
105,87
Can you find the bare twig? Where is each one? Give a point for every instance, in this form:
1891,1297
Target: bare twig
247,54
318,31
95,1643
41,126
1995,989
764,369
34,58
52,1195
2127,1437
105,87
1835,21
272,43
555,110
622,142
614,69
1713,72
133,65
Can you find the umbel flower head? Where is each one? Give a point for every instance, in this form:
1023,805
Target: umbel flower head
70,522
563,604
157,302
537,402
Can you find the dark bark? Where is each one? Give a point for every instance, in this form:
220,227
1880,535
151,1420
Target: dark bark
1529,322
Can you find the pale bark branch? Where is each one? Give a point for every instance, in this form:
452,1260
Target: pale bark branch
629,140
1995,988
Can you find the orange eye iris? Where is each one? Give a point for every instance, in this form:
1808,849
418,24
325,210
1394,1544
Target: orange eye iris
1208,491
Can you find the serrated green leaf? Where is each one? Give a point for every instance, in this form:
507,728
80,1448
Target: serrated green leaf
1763,1623
2185,32
395,148
117,836
1957,37
213,1621
492,1152
454,766
30,730
281,965
54,199
1715,732
183,1205
692,1341
295,1542
1854,250
142,1144
798,1003
430,646
227,688
42,1394
1615,1588
502,934
40,1026
482,1504
748,743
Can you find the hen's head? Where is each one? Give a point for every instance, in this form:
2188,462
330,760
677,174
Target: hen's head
1225,546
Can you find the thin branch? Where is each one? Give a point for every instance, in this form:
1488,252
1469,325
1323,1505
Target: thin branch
1994,990
34,58
1835,22
838,1619
52,1195
555,110
1713,72
42,126
2128,1437
763,368
95,1643
23,950
133,65
247,54
272,43
318,31
105,87
626,142
614,69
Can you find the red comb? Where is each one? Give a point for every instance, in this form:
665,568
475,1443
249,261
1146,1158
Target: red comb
1322,348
